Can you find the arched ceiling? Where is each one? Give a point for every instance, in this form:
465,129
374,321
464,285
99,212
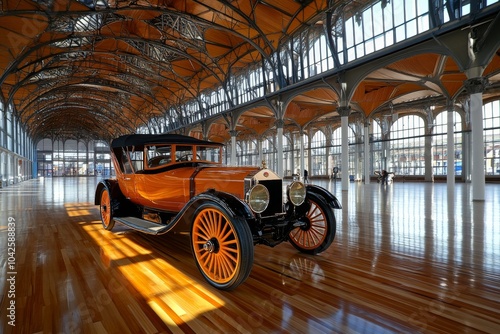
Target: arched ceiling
99,68
114,64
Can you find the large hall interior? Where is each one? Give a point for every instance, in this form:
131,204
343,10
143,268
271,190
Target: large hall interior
386,111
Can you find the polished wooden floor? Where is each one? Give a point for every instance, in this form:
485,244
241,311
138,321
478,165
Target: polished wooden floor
407,258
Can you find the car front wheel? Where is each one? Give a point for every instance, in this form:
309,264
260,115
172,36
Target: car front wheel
318,231
222,246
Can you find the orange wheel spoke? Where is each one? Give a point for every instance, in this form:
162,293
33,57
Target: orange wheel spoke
228,256
227,235
202,233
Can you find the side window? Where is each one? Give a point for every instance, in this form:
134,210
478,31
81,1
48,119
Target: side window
158,155
125,162
209,153
184,153
137,160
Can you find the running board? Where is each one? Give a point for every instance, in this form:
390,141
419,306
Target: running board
143,225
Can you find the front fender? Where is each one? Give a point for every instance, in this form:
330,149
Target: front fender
328,196
231,203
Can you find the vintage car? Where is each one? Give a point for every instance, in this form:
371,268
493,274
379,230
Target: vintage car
166,181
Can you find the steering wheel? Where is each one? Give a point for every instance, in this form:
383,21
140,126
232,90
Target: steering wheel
186,157
189,157
158,161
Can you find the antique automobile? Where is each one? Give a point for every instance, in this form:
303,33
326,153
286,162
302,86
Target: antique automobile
166,181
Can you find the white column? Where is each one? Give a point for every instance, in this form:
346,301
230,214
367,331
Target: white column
279,157
344,122
329,169
450,148
233,134
429,157
259,148
367,153
302,157
345,152
475,87
478,177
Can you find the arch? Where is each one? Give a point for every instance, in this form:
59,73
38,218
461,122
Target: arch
407,153
439,161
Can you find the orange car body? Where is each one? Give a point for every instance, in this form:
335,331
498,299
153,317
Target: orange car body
171,190
162,180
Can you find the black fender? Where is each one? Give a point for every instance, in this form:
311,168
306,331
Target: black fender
233,205
328,196
112,187
120,206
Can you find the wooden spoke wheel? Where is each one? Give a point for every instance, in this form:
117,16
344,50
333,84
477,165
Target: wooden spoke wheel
106,211
222,247
319,230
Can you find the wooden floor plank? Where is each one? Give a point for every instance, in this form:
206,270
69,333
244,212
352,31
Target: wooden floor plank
407,258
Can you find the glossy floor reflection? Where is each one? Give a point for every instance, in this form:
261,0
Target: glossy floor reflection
407,258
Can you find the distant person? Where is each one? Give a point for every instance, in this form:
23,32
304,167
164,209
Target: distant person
385,177
306,179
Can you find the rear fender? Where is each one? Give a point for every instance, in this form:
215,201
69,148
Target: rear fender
112,187
328,196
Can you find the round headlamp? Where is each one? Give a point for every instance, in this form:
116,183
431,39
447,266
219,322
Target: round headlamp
297,193
258,198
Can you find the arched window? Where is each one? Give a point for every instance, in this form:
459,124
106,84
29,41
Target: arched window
318,154
336,157
491,125
376,147
440,160
268,153
296,146
407,155
248,153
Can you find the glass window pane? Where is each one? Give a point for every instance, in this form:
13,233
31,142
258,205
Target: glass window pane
422,7
349,33
411,28
399,12
423,23
410,10
367,23
388,17
400,34
378,20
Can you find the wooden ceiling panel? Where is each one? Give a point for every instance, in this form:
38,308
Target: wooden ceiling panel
419,65
493,67
130,29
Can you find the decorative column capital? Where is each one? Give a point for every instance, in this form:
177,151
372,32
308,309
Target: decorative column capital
450,105
233,133
344,110
476,85
279,123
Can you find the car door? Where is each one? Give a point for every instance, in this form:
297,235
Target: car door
126,179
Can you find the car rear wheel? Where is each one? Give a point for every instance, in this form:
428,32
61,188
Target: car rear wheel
319,230
222,246
106,212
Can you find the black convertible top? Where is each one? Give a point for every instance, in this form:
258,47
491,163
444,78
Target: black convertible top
139,140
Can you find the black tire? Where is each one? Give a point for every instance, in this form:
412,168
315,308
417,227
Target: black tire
319,232
222,246
106,210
